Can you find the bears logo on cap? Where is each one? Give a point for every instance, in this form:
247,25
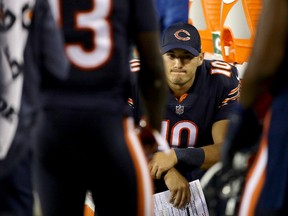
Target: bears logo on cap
181,36
176,34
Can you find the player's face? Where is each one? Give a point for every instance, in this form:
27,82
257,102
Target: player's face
181,66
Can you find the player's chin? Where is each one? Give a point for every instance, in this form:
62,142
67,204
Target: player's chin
178,81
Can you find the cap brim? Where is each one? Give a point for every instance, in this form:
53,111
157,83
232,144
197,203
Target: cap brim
190,49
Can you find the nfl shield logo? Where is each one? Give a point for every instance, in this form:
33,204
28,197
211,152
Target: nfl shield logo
179,109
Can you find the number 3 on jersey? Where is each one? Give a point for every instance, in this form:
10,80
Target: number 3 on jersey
90,46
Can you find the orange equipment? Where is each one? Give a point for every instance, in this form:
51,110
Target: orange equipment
238,25
205,16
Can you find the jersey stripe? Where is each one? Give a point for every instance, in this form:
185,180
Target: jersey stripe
145,205
256,175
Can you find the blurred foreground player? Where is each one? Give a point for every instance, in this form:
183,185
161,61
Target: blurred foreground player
83,140
16,192
266,187
18,79
265,190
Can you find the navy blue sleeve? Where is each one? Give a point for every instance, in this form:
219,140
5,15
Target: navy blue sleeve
44,54
230,95
51,40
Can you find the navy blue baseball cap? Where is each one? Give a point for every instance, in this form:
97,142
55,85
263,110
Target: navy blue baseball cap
181,36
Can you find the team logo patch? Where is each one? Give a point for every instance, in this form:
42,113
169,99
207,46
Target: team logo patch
179,109
184,32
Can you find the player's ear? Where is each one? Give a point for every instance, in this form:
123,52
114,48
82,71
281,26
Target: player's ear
200,58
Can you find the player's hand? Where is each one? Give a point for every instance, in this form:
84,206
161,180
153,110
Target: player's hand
148,141
179,188
151,140
161,162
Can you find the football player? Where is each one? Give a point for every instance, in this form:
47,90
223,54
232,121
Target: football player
266,187
30,44
84,140
202,93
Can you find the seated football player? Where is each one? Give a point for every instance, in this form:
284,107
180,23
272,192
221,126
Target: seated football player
202,94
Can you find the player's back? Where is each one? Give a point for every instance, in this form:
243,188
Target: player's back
98,35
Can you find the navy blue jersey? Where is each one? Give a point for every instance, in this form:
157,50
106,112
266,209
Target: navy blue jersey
82,117
97,37
211,98
188,123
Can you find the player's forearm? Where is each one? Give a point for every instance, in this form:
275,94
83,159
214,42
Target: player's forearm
154,92
212,155
154,96
152,79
